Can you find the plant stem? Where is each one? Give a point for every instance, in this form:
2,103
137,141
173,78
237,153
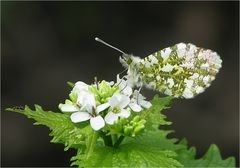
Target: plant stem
114,138
107,139
91,144
118,142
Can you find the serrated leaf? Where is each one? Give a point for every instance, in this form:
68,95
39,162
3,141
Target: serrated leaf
212,157
152,149
153,115
62,128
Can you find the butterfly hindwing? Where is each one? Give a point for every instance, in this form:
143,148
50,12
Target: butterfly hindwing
182,70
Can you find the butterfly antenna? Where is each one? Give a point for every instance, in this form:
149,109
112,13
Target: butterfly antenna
138,94
103,42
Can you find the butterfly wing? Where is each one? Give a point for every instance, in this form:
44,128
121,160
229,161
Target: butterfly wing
182,70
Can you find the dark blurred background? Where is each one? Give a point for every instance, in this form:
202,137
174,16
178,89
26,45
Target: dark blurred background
45,44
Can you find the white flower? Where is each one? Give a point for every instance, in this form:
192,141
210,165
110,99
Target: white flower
189,83
158,78
187,93
151,85
167,68
153,59
192,48
111,83
87,111
199,89
148,64
187,65
194,76
206,79
81,97
68,108
165,54
181,49
168,92
215,60
200,77
117,104
181,46
138,101
150,75
124,86
170,82
205,66
79,87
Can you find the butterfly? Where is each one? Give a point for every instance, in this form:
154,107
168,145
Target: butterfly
182,70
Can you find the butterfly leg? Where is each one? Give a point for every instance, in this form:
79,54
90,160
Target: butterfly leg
123,87
122,77
140,88
122,71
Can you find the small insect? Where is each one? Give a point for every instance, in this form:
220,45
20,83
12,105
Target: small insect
182,70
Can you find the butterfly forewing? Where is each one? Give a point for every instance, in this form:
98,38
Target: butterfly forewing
182,70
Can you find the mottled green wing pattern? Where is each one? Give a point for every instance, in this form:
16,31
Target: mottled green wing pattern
182,70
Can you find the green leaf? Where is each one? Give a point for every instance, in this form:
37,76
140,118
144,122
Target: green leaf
152,149
62,128
153,115
212,157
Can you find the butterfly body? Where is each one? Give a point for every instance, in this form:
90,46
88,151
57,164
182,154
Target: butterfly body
182,70
132,63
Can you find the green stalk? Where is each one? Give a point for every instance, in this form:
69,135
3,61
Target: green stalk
114,138
118,142
92,143
107,139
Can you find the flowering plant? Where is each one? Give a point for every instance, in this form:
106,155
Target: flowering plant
105,104
112,125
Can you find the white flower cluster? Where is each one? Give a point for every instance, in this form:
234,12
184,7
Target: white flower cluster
182,70
91,102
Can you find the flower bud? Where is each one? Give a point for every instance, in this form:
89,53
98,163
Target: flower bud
128,130
141,122
136,118
123,121
138,129
73,96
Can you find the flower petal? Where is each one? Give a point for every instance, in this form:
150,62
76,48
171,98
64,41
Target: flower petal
167,68
97,123
89,102
145,104
124,113
135,107
124,101
81,96
127,91
68,108
110,83
138,96
111,118
102,107
90,99
80,86
80,116
113,101
187,93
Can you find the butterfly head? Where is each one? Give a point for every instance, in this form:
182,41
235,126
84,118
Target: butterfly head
125,59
